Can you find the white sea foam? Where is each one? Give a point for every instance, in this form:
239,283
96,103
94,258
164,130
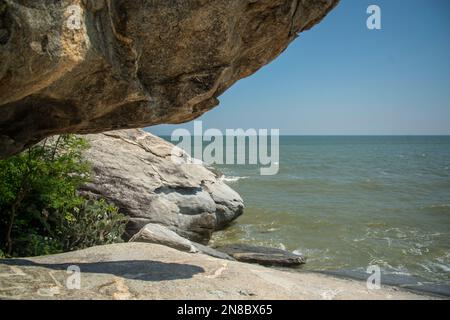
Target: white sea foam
231,178
443,267
440,206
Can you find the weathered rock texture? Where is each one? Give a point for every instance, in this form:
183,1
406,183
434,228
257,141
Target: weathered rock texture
149,271
128,64
135,170
263,255
158,234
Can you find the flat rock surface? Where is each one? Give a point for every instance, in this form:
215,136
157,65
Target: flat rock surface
150,271
262,255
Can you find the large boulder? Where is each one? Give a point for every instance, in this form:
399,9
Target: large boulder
135,170
87,66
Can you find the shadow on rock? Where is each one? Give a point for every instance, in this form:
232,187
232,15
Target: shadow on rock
139,270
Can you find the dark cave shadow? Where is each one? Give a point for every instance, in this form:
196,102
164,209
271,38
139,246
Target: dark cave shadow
145,270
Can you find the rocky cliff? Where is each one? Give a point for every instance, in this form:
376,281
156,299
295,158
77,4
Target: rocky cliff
86,66
135,170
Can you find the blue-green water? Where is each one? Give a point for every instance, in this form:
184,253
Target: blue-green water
350,202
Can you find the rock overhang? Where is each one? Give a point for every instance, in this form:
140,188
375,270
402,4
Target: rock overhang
130,64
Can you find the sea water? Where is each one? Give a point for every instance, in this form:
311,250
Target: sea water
348,202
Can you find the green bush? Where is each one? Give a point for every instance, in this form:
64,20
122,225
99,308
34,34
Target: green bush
40,209
95,222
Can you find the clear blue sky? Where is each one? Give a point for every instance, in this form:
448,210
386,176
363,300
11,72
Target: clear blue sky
342,79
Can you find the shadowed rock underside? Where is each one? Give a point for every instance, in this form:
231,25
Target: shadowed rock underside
133,63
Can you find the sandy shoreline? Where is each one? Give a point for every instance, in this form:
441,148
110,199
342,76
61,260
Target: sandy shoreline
149,271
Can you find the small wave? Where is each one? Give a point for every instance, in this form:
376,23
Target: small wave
439,206
231,178
269,230
443,267
298,252
436,208
434,267
400,273
314,255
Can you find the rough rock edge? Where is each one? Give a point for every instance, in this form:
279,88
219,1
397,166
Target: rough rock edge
113,74
157,234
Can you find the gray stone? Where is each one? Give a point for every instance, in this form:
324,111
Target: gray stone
157,234
212,252
131,64
134,170
154,233
134,270
262,255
